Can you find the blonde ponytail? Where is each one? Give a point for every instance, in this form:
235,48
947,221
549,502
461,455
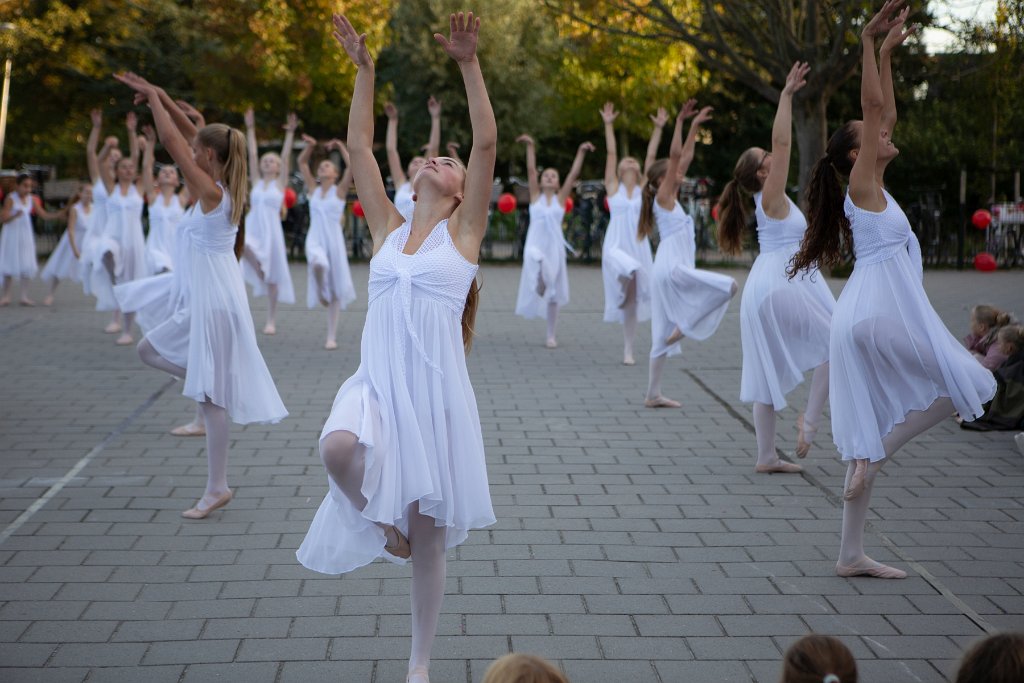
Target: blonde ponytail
229,146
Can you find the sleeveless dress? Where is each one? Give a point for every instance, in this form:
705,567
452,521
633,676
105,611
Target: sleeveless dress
62,264
681,295
89,245
325,246
163,233
264,234
544,262
412,407
784,324
210,330
122,237
18,242
403,200
890,353
623,255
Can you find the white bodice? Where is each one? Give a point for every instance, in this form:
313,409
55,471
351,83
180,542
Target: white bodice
775,233
881,235
621,205
124,206
266,195
211,232
327,209
165,216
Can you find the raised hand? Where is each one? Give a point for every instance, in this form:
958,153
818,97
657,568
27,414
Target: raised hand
703,116
353,43
291,122
250,118
453,148
132,121
96,115
391,111
688,110
310,141
660,118
141,86
464,29
110,142
897,34
335,143
150,134
608,113
142,142
884,19
525,139
434,107
797,78
586,147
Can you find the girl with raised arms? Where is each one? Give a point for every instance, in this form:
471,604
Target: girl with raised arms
209,340
784,322
894,369
402,180
403,446
544,284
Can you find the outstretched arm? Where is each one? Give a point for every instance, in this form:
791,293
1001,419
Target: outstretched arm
470,217
391,146
453,150
434,141
611,163
193,115
574,172
148,144
678,153
303,162
773,192
132,123
531,166
250,143
893,39
345,183
106,170
291,123
659,120
381,215
91,160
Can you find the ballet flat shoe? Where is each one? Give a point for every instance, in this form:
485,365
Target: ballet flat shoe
780,466
661,402
190,429
401,549
417,674
860,470
196,513
880,572
805,437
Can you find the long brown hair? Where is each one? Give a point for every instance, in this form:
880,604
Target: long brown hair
996,659
828,228
469,315
734,204
814,658
655,176
229,145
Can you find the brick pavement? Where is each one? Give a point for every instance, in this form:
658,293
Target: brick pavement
631,545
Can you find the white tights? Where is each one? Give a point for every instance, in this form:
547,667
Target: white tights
216,419
657,368
552,319
344,458
855,512
629,315
765,416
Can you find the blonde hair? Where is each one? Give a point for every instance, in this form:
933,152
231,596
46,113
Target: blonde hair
1012,335
228,144
517,668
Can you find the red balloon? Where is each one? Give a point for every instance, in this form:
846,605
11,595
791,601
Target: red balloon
569,204
357,208
506,203
289,197
981,219
714,212
985,262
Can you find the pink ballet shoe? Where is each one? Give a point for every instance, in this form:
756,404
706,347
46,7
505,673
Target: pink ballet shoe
112,328
661,402
125,340
270,329
551,344
417,674
26,302
860,470
877,570
331,345
780,466
6,301
190,429
48,301
804,438
628,360
677,335
400,548
196,512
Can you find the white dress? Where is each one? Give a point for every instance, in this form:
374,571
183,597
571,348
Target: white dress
62,264
325,246
18,242
683,297
412,407
210,330
623,255
544,262
89,245
890,353
784,323
264,234
163,231
403,200
122,237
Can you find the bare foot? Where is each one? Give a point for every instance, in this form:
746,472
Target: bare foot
48,301
780,466
112,328
674,337
25,301
331,345
551,343
868,567
125,339
661,402
190,429
270,328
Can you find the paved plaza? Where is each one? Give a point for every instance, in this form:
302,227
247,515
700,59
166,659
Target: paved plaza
631,544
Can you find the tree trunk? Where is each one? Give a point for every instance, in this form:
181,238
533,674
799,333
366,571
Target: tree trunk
811,136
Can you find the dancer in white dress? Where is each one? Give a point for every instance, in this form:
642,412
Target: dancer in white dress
63,263
626,257
544,284
329,281
403,446
17,240
209,341
266,259
895,370
402,180
166,211
685,301
101,164
784,322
